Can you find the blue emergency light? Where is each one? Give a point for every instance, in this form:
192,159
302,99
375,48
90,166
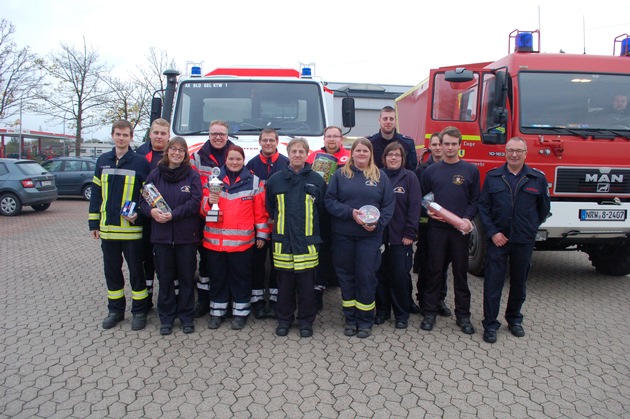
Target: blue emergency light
307,72
624,47
195,71
524,42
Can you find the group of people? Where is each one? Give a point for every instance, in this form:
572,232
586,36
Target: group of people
355,228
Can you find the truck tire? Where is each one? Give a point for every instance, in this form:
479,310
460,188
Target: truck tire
477,249
613,260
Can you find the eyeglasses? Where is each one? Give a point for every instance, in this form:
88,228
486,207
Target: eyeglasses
515,151
332,137
395,155
218,134
177,150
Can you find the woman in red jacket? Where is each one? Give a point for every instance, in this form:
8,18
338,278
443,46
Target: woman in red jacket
230,240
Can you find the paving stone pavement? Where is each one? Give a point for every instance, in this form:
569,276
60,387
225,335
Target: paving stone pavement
57,362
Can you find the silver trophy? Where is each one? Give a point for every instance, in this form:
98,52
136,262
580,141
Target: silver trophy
215,185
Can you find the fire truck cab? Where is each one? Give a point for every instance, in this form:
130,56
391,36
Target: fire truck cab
572,112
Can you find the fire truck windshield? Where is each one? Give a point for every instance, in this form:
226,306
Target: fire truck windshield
291,108
566,102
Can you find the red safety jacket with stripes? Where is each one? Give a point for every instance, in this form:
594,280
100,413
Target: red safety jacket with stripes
244,216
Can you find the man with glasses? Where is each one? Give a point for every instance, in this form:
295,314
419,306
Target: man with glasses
265,164
333,145
514,202
212,154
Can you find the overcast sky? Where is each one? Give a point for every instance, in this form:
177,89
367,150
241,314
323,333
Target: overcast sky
379,42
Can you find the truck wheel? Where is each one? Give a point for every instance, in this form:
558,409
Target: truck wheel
477,249
611,260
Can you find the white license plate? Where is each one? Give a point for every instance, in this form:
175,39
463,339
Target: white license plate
602,215
46,182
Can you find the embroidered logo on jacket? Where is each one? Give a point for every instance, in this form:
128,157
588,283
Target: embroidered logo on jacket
370,183
458,179
399,189
185,188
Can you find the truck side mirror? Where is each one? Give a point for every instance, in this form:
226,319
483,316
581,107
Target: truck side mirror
347,112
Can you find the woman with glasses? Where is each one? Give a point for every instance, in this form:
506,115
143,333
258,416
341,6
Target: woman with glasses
175,235
394,279
356,242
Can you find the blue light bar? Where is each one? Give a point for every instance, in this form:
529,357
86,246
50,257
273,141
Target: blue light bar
524,42
195,71
624,47
307,72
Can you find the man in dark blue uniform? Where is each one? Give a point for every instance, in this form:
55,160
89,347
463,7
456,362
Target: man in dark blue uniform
514,202
387,134
455,185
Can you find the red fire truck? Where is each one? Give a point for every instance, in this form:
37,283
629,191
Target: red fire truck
571,111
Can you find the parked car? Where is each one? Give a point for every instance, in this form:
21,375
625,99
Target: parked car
73,175
25,182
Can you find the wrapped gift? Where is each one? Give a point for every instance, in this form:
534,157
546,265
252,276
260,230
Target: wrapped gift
154,198
325,165
428,201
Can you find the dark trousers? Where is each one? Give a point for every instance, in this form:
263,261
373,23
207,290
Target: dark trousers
420,262
260,257
325,270
175,265
231,281
394,282
113,251
447,244
356,261
203,280
495,269
302,282
148,264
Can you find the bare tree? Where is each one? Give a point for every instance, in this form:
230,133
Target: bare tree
151,79
128,101
20,80
79,89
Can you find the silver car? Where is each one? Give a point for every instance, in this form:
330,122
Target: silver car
25,182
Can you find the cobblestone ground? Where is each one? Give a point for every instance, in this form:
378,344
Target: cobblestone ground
56,360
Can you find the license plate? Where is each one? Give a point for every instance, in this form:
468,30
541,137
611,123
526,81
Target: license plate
46,182
602,215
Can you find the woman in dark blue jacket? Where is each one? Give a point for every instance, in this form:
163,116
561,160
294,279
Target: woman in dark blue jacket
356,254
394,279
175,235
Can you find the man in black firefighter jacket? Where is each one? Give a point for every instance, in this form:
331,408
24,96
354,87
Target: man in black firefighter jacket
118,179
386,134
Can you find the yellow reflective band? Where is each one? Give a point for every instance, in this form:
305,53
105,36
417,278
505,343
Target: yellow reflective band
308,216
96,181
366,307
348,303
94,216
140,295
120,236
281,214
115,294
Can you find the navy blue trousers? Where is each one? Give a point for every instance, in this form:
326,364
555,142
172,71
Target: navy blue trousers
113,251
394,282
175,266
356,261
519,256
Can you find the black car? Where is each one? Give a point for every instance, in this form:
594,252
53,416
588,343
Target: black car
73,175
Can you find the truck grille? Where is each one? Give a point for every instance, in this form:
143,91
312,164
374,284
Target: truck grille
592,181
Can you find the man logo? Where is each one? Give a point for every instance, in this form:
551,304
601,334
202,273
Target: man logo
603,187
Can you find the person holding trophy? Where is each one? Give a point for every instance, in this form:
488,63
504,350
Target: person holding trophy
172,195
236,220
